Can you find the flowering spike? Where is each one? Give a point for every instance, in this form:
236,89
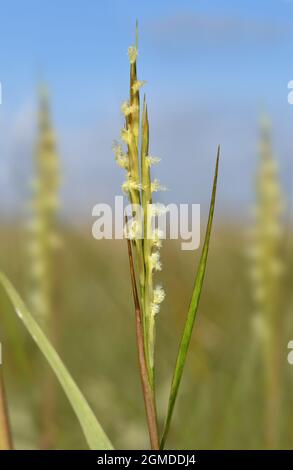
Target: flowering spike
42,226
138,187
265,272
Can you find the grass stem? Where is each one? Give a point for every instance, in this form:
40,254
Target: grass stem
148,394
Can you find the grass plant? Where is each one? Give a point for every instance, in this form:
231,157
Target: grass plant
144,261
145,241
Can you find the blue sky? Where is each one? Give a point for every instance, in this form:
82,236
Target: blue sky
210,66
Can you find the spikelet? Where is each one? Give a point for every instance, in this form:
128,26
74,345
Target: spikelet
42,234
266,271
139,187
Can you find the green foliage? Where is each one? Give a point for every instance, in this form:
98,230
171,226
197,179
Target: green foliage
92,430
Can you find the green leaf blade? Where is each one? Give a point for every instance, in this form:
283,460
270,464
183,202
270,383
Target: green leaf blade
93,432
192,311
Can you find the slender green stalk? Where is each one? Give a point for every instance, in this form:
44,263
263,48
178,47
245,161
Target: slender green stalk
148,393
186,337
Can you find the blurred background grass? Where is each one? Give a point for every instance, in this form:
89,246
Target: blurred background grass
222,400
